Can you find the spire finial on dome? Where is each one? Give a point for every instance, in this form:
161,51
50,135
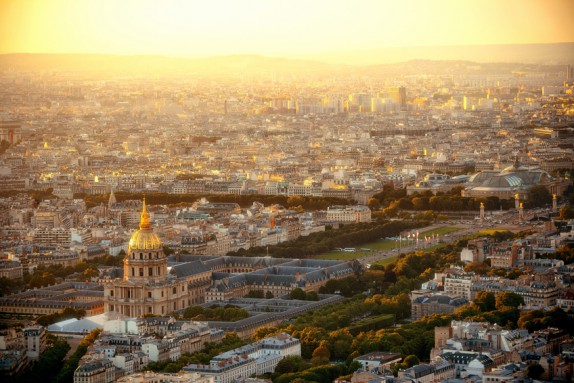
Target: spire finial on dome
144,216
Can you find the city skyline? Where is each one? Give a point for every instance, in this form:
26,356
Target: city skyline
335,31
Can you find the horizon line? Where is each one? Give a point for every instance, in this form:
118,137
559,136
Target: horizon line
285,55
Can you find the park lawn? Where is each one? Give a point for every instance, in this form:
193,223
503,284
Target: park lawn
386,261
384,245
440,231
343,255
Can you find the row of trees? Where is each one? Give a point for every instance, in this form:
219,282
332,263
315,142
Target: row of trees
393,201
303,296
297,370
306,203
216,313
259,294
67,313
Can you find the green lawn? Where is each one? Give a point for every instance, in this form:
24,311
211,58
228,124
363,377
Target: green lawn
343,256
384,245
386,261
440,231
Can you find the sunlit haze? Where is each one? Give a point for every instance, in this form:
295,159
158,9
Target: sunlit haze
296,28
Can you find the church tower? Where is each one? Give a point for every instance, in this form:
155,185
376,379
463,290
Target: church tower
146,286
145,259
112,200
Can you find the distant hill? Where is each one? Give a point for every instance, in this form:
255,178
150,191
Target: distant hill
159,65
552,54
320,64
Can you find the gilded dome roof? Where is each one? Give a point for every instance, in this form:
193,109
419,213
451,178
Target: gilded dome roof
145,238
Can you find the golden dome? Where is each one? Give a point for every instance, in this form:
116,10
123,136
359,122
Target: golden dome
145,238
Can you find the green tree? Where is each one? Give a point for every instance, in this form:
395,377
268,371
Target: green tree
255,294
49,363
420,203
535,371
538,196
90,273
411,360
485,301
167,250
374,204
192,312
508,299
321,355
291,363
298,294
312,296
295,201
341,341
566,212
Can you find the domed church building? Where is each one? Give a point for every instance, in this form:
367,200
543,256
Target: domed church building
146,287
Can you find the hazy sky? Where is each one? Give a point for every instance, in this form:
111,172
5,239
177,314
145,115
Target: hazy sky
268,27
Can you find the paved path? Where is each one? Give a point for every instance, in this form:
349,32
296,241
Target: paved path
74,343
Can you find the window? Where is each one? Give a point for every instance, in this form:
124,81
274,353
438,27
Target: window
111,293
150,271
174,290
141,255
149,294
149,309
141,272
133,272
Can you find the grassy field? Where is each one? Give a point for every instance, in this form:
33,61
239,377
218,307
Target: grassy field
384,245
386,261
440,231
343,256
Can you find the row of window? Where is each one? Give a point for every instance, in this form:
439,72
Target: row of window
149,293
143,256
149,274
149,308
